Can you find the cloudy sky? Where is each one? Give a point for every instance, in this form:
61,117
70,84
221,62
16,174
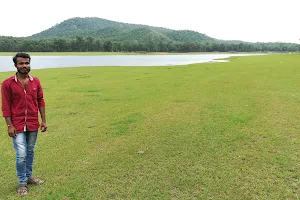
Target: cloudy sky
246,20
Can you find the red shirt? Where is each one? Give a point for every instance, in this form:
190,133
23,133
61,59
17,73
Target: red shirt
22,105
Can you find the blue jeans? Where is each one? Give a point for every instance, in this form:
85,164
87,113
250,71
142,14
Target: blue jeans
24,144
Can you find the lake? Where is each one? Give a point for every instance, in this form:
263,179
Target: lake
43,62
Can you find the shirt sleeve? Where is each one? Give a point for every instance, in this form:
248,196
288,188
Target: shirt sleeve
40,95
6,99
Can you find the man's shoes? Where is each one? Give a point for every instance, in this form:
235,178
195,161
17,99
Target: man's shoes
22,190
35,181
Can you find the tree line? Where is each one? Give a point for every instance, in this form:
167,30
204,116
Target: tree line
90,44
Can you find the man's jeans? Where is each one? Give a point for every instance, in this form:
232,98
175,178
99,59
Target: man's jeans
24,144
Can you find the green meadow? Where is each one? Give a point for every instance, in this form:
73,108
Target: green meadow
202,131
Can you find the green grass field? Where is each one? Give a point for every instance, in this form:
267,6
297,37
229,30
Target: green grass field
201,131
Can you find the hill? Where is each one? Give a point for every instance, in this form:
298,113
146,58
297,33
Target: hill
117,31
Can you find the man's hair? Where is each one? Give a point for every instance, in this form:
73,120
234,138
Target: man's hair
21,55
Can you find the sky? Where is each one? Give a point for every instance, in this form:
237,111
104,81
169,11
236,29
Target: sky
246,20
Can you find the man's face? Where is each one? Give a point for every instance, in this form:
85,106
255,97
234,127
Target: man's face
23,65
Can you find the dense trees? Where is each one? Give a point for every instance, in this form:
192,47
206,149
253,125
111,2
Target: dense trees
84,44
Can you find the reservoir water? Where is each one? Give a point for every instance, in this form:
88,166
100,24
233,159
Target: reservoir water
42,62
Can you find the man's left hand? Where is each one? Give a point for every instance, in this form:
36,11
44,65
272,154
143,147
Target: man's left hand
43,126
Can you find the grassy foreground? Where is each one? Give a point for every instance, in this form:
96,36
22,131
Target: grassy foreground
202,131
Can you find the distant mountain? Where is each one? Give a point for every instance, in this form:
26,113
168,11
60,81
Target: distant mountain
117,31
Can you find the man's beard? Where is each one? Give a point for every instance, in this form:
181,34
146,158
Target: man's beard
24,71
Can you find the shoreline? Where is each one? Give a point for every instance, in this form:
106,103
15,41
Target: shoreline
118,53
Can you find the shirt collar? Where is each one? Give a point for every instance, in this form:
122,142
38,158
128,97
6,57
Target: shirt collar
15,77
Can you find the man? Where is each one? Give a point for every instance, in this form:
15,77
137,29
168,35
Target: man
22,100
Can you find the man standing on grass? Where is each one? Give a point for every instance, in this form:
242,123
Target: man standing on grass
22,99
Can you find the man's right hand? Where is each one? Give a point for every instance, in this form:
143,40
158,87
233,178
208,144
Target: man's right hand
12,132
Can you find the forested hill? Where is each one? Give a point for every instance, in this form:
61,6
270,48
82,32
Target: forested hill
99,28
101,35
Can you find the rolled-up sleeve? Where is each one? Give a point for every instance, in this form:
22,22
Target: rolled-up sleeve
6,99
